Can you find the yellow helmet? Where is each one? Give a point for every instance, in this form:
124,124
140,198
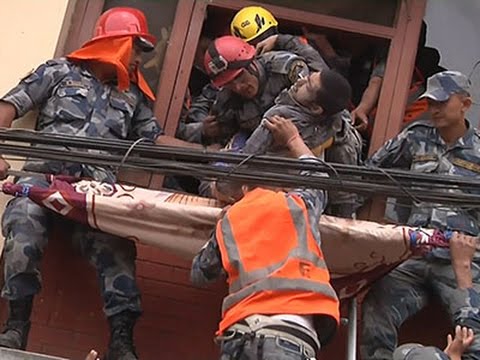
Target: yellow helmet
252,21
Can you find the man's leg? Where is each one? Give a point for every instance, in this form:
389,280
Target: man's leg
25,230
391,301
114,260
463,305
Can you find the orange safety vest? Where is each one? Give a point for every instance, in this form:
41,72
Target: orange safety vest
274,263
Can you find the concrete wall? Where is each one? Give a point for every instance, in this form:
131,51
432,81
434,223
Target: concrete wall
30,32
453,28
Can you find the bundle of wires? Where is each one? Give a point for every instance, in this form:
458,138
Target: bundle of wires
273,171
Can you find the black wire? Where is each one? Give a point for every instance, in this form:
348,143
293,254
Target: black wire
268,169
271,162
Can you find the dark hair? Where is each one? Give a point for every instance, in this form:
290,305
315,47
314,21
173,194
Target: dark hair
334,93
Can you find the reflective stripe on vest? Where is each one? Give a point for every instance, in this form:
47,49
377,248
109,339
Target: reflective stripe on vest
259,280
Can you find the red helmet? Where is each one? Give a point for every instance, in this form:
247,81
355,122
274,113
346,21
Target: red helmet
226,57
121,21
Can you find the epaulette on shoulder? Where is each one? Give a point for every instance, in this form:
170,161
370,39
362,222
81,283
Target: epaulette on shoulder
426,124
279,62
58,61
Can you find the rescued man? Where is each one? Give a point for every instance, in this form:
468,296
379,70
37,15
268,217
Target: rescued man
316,105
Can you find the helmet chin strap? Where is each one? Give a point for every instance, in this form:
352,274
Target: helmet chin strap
219,64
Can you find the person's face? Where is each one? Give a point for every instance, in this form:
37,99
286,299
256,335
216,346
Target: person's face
449,113
245,85
305,89
135,58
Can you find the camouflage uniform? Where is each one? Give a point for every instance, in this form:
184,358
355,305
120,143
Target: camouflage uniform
190,127
419,352
406,289
300,47
72,101
317,132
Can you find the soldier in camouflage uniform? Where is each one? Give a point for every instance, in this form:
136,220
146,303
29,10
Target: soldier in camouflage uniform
447,144
316,106
81,96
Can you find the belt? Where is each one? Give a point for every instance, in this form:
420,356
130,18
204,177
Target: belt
257,321
296,333
274,331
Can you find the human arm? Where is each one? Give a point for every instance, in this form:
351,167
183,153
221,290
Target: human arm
32,91
286,134
370,96
462,250
335,61
199,132
7,114
395,153
200,126
145,125
296,45
367,103
260,140
207,264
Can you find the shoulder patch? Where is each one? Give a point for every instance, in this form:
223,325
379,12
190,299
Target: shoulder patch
278,61
425,158
296,67
466,164
420,123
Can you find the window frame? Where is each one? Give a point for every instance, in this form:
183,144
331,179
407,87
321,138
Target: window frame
187,25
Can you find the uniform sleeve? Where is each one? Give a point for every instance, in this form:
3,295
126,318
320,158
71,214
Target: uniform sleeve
315,199
379,69
144,123
346,149
297,69
259,142
395,153
300,47
225,108
201,105
207,265
191,132
34,89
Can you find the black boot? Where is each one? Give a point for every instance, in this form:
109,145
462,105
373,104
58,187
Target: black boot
121,336
15,334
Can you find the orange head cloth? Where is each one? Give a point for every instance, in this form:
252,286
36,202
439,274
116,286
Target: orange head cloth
114,52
